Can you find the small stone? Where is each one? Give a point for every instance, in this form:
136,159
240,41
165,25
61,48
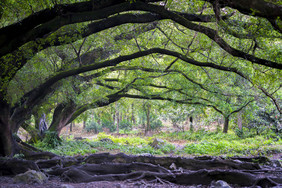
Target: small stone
146,154
157,143
276,163
106,140
66,186
118,185
30,177
219,184
172,166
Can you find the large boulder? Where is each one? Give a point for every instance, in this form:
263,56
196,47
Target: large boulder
30,177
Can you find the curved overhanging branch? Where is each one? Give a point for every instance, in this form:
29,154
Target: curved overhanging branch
243,106
57,22
12,40
211,33
50,19
9,65
166,71
152,97
111,98
33,97
260,8
132,96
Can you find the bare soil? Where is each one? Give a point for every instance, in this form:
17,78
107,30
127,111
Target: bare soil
55,182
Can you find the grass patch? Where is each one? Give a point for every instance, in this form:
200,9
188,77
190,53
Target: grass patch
213,143
197,143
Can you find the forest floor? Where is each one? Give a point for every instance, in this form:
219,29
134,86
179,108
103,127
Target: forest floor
77,132
56,182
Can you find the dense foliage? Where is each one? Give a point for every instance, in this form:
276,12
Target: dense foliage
146,61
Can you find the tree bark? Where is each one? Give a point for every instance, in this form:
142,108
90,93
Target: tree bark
36,117
191,124
98,118
84,123
148,126
133,120
7,143
62,115
34,133
226,124
239,120
118,120
120,167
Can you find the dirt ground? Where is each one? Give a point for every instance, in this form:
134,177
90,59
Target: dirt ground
55,182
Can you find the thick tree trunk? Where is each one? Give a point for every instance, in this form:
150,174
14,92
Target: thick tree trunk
34,133
36,117
61,116
226,124
7,143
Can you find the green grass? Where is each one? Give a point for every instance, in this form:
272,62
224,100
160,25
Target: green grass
197,143
212,143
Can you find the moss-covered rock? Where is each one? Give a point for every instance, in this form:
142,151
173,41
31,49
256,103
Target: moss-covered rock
30,177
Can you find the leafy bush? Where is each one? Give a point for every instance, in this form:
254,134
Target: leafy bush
74,147
263,119
168,148
156,124
125,125
93,126
108,124
51,139
239,133
198,143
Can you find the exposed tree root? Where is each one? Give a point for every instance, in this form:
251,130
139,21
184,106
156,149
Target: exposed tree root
112,168
16,166
203,177
185,163
149,169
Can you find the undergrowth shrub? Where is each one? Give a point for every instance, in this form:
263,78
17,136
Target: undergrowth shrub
156,124
197,143
74,147
94,127
108,124
125,125
51,139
